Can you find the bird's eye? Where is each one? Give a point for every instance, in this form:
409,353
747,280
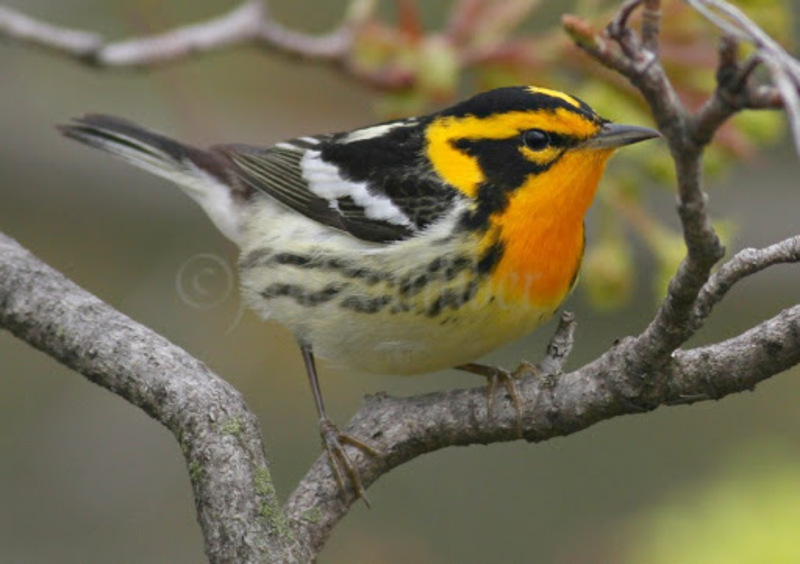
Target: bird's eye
535,139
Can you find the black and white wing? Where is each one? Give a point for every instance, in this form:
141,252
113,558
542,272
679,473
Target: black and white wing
374,183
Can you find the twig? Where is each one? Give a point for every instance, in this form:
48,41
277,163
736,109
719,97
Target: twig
651,25
782,67
24,29
241,25
335,46
735,91
618,28
560,346
745,263
464,18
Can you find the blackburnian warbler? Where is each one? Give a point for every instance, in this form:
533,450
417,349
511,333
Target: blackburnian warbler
405,247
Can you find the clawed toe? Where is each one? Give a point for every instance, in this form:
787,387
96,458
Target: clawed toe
343,468
496,375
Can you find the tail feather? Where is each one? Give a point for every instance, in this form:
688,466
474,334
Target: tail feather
203,175
137,145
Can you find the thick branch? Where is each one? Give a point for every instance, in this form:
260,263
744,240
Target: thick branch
236,502
237,506
405,428
738,364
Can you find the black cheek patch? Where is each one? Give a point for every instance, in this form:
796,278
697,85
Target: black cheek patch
501,160
505,169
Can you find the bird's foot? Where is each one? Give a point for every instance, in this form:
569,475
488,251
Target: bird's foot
497,376
343,468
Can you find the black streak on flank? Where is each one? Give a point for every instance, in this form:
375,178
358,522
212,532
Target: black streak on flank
365,305
401,307
344,268
302,295
470,291
435,265
453,299
370,277
448,297
491,257
292,259
412,285
458,265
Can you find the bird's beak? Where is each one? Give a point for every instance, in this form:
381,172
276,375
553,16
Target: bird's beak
613,135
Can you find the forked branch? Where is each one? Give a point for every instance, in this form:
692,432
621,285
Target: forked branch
236,500
784,70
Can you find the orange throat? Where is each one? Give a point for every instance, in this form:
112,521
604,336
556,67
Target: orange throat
542,230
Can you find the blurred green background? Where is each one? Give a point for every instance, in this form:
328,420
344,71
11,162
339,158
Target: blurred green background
85,477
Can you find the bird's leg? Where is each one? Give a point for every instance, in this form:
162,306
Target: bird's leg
496,375
332,438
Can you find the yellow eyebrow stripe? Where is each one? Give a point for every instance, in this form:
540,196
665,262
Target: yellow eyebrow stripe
556,94
502,126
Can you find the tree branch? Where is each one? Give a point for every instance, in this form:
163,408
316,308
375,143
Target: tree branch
738,364
26,30
236,502
621,49
250,23
237,505
560,346
405,428
687,135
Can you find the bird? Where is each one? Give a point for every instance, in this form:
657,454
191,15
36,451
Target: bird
406,247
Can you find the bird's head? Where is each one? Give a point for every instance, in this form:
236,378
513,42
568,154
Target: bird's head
529,161
506,137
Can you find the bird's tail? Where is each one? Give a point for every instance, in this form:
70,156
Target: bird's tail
203,175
